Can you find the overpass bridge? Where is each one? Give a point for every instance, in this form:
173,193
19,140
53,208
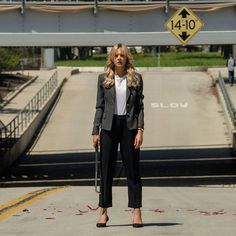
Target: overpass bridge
78,23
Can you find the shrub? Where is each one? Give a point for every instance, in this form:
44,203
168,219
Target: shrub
8,59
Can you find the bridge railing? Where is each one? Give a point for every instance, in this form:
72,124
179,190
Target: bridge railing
228,102
10,133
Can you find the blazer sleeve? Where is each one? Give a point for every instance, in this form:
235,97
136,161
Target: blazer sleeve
99,106
140,103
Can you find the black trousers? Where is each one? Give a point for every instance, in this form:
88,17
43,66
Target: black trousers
130,158
231,77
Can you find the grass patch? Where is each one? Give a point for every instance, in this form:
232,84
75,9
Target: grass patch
169,59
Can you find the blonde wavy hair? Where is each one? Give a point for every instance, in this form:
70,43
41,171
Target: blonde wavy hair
110,67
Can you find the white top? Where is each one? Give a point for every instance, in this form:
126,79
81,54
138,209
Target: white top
231,64
121,86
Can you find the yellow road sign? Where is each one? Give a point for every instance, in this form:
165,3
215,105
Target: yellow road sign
184,24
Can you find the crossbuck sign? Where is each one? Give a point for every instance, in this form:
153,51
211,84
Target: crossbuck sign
184,24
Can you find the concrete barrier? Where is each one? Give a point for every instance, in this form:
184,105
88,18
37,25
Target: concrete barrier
26,138
229,123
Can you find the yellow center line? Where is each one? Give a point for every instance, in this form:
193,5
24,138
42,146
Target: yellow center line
11,207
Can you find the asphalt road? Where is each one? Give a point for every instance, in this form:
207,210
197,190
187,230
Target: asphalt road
186,163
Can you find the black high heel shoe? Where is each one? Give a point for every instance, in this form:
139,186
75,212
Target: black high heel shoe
139,225
102,225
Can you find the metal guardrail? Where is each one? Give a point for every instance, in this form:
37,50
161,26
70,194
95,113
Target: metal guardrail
11,132
228,102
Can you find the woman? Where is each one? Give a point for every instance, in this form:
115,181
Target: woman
231,64
119,118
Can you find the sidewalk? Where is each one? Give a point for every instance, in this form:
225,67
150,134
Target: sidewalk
11,110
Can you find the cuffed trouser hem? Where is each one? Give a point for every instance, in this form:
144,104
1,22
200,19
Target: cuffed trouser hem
134,206
105,206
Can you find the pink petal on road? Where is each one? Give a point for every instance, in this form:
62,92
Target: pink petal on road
159,210
92,209
205,213
83,211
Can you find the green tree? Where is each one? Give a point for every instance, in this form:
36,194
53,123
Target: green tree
8,58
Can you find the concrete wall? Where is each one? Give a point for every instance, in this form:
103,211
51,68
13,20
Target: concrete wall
26,138
229,123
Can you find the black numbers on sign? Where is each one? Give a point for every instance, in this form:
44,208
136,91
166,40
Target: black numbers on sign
176,25
189,24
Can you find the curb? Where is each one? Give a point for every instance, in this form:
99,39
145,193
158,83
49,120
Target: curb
154,69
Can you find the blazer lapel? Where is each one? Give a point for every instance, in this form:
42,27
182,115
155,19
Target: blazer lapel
128,92
113,92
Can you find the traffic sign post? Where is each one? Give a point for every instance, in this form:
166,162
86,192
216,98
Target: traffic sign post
184,24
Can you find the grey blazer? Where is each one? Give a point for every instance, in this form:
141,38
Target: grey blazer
106,102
